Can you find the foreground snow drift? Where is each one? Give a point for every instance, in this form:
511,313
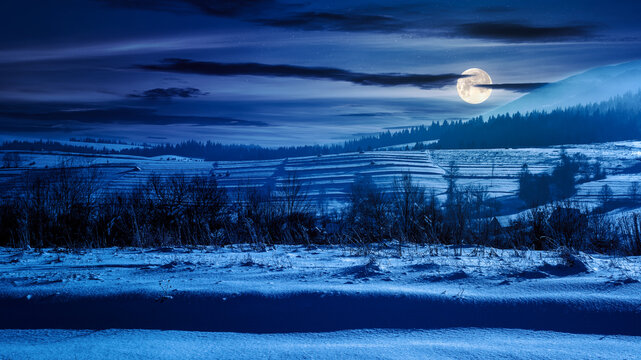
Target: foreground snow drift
363,344
298,289
319,311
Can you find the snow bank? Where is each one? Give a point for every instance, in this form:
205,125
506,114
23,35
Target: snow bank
358,344
296,289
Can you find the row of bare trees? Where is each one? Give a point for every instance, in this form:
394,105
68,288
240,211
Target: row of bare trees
70,207
409,213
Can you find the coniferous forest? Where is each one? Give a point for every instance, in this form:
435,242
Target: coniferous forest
612,120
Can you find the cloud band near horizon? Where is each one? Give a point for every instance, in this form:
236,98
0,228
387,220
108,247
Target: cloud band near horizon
186,66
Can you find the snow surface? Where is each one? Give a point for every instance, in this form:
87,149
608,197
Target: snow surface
594,85
500,283
354,344
318,302
326,301
327,179
294,268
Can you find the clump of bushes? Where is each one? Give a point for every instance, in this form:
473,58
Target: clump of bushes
69,207
540,189
11,160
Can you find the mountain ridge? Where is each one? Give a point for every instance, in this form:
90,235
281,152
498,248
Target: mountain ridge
591,86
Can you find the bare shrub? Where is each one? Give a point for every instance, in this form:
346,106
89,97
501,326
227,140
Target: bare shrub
434,219
11,160
55,207
567,227
633,192
368,212
631,234
297,219
66,206
606,197
601,233
409,207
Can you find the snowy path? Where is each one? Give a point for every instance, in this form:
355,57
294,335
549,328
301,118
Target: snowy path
361,344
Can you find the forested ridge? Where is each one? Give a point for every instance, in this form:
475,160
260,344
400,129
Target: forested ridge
616,119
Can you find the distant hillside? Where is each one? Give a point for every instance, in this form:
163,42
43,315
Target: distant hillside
616,119
221,152
594,85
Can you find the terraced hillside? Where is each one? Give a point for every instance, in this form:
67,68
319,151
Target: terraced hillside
328,178
498,169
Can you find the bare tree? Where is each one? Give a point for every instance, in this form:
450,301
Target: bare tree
11,160
633,192
293,196
408,207
606,196
631,231
368,212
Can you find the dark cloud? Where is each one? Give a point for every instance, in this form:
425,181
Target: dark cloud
126,115
223,8
369,114
517,87
494,9
337,22
520,32
401,17
9,125
271,13
168,93
423,81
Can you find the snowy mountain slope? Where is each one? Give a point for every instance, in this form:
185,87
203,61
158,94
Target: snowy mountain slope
594,85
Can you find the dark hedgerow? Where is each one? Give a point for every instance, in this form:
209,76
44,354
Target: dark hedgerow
65,207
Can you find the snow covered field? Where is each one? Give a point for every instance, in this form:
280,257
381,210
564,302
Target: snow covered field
326,302
327,179
351,344
481,303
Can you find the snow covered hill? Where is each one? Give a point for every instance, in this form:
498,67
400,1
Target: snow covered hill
594,85
327,179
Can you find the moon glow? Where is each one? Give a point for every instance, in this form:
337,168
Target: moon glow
466,86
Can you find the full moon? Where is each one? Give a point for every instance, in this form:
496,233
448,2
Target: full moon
468,91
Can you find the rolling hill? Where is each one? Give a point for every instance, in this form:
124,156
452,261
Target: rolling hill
591,86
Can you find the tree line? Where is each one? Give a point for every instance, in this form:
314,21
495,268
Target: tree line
214,151
616,119
540,189
613,120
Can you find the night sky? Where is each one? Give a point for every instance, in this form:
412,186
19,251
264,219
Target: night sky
277,72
